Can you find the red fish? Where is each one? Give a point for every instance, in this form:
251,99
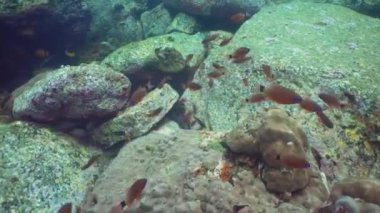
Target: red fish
134,192
310,105
137,95
317,156
238,18
217,66
41,53
325,120
240,55
225,171
331,100
256,97
282,95
225,41
245,82
193,86
67,208
155,112
210,82
215,74
294,162
209,38
268,72
163,81
92,160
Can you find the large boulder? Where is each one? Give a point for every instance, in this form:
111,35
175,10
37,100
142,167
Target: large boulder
145,54
40,170
310,48
184,173
136,121
155,21
214,8
72,92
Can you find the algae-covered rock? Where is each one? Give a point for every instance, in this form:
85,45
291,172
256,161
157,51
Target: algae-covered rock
183,23
304,47
170,60
116,22
216,8
283,181
72,92
19,6
155,21
139,55
40,169
137,120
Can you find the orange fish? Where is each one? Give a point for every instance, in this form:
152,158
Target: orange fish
210,82
193,86
41,53
238,18
282,95
189,57
294,162
137,95
225,171
256,97
163,81
268,72
155,112
331,100
67,208
215,74
310,105
317,156
209,38
325,120
92,160
245,82
225,42
240,55
134,192
217,66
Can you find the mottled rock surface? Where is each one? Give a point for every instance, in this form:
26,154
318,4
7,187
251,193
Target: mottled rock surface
183,176
215,8
183,23
310,48
40,169
72,92
155,21
116,22
136,121
139,55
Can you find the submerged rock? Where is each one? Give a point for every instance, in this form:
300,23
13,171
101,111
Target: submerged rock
155,21
303,47
72,92
170,60
183,176
216,8
183,23
137,120
141,55
40,169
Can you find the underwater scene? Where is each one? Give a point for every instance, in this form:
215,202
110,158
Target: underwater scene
190,106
